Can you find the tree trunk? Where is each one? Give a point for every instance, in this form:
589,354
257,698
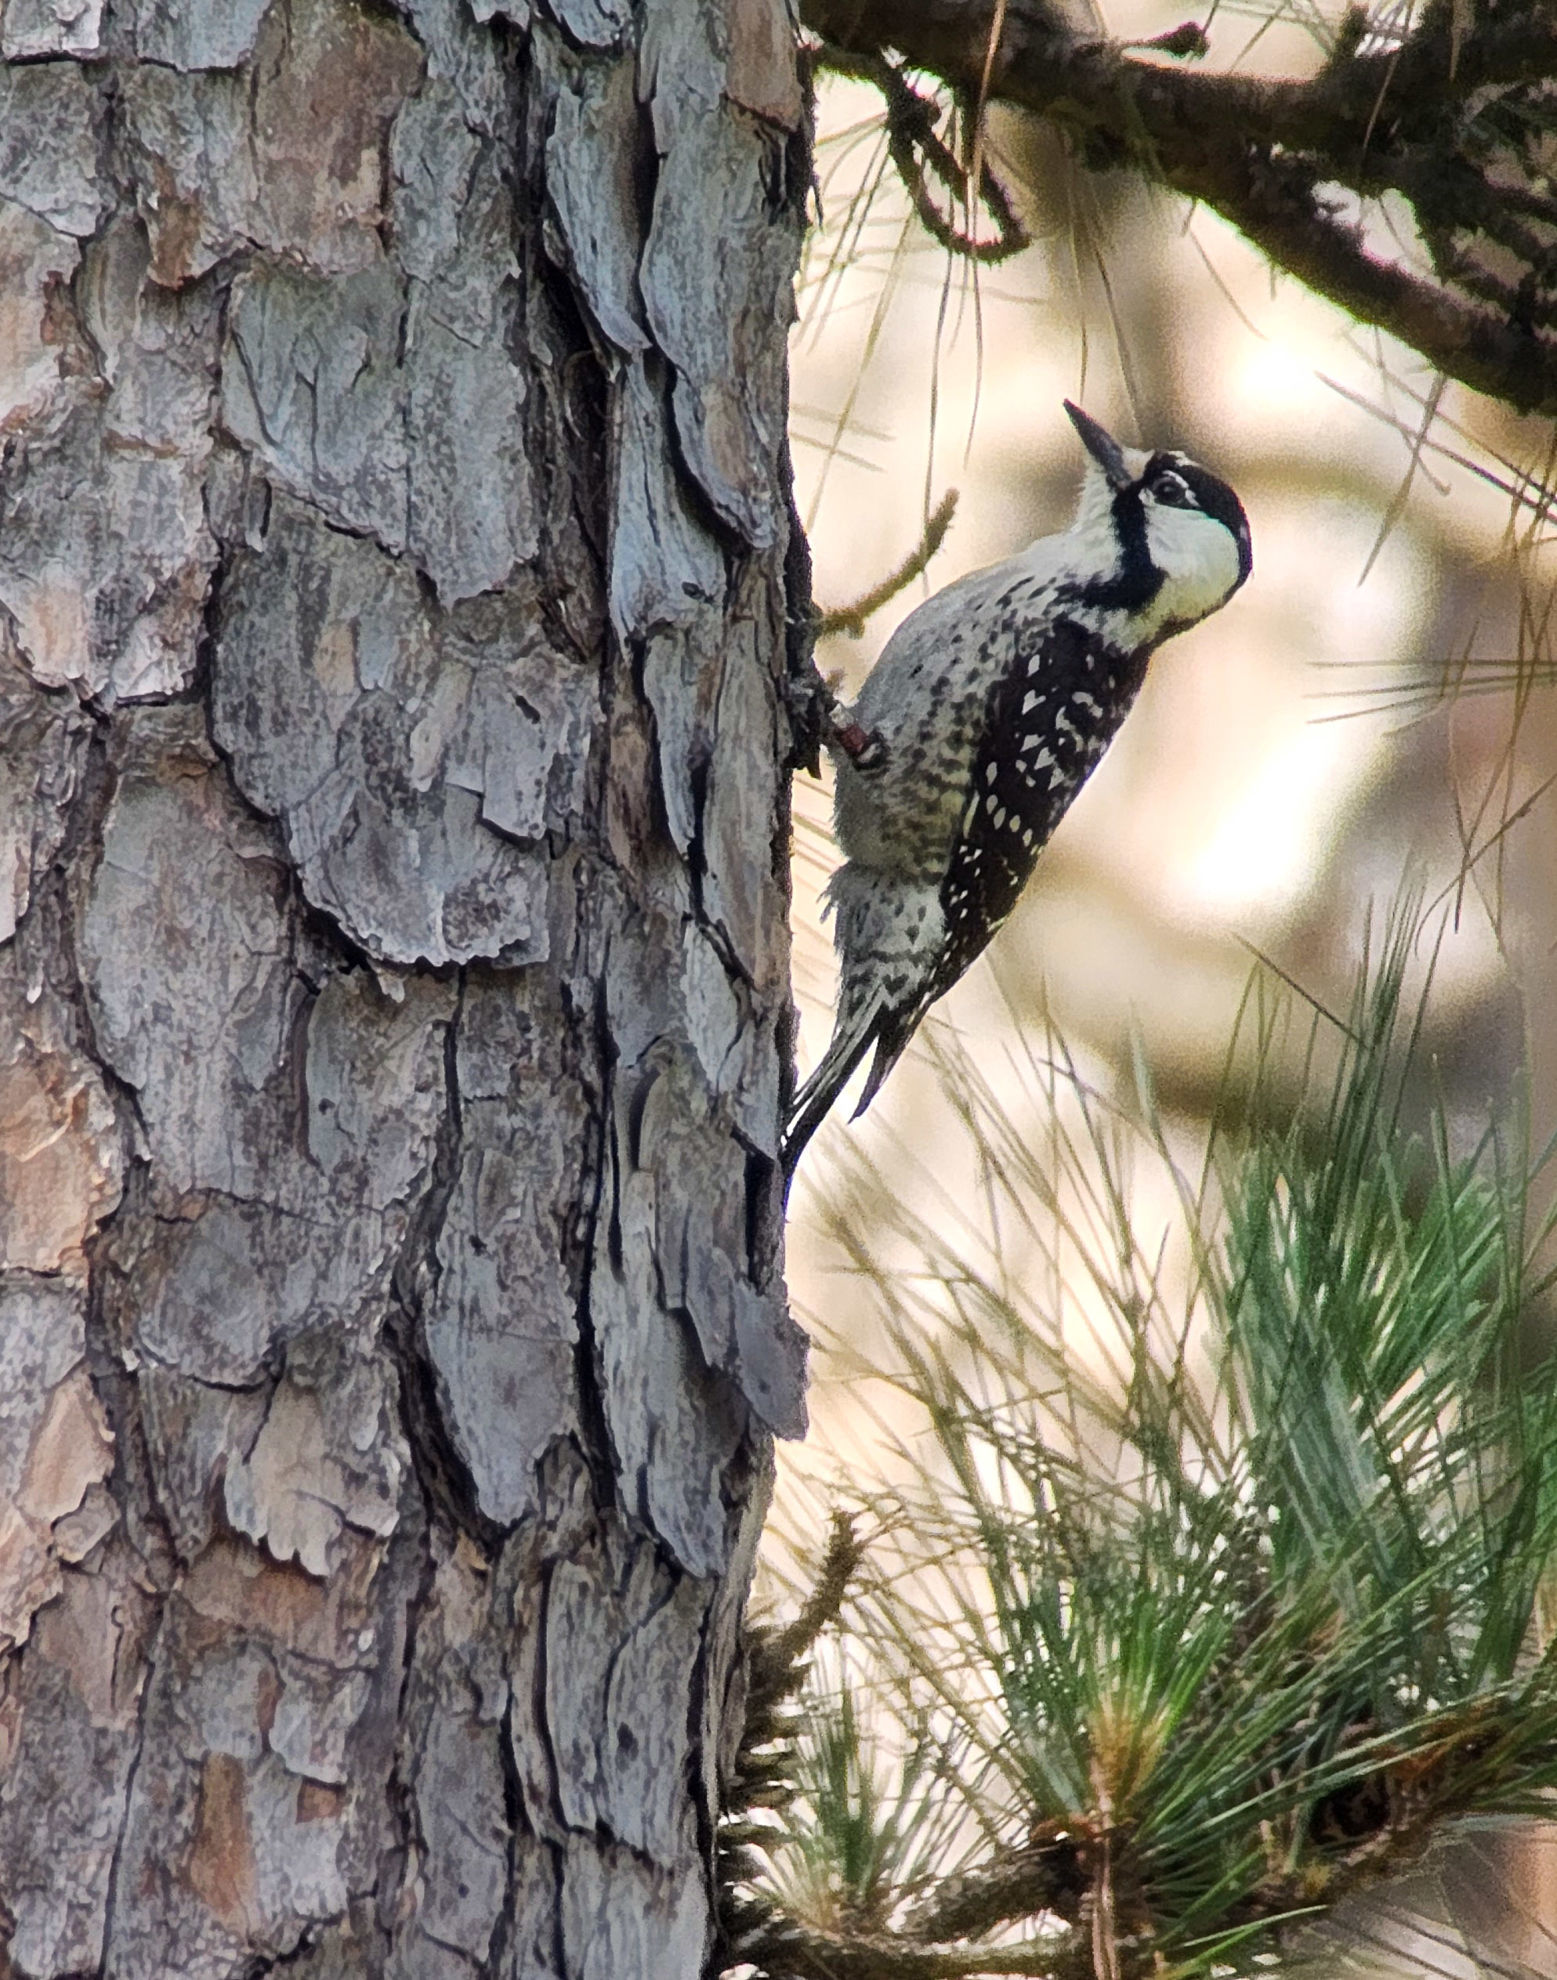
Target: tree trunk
393,969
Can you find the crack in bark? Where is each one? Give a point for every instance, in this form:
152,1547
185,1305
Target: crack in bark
594,1428
445,1477
111,1900
399,1793
518,1826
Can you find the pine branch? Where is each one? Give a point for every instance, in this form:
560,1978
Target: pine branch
791,1950
1048,1877
1260,152
1179,1656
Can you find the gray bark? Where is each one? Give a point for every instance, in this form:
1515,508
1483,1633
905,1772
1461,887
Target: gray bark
393,972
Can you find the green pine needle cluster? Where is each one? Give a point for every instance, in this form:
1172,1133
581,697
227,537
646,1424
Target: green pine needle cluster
1190,1625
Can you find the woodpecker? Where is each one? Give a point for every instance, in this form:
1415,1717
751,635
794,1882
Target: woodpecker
989,708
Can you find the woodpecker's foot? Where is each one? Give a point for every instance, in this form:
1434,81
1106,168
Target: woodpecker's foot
864,748
811,707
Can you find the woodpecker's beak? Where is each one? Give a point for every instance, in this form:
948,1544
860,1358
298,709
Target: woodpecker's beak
1102,446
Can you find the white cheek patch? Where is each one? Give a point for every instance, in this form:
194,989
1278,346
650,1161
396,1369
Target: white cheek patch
1198,557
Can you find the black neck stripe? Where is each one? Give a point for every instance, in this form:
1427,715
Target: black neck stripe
1137,581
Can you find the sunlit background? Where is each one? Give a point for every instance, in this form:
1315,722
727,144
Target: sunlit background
1368,713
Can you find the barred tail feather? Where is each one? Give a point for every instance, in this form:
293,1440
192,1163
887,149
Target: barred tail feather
853,1038
892,1036
890,934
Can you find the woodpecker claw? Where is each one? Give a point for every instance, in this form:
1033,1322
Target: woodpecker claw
809,707
864,748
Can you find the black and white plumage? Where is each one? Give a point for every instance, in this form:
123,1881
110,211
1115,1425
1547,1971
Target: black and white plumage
987,711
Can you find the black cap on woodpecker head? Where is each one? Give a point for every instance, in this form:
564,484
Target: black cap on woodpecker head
1102,446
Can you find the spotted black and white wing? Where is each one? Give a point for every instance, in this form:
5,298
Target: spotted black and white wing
1048,723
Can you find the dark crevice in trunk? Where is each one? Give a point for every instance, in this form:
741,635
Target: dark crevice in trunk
596,1048
444,1475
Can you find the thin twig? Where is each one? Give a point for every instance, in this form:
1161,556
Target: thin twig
851,619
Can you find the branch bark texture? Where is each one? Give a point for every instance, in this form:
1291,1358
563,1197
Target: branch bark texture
1459,119
393,973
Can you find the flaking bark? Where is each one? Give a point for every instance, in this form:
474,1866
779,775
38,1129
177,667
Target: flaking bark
393,967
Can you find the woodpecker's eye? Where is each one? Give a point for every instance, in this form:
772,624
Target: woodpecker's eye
1172,489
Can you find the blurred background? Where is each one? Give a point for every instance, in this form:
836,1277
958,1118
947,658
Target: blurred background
1370,713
